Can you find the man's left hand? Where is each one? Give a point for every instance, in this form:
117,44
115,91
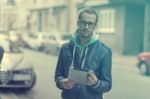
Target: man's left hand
92,79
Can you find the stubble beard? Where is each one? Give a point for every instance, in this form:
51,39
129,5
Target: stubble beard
86,34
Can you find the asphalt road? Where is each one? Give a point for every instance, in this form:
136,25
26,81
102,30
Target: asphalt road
127,82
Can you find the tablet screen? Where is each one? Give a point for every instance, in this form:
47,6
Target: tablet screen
78,76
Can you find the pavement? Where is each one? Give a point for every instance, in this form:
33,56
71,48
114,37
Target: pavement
125,59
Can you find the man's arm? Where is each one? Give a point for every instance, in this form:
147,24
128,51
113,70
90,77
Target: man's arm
1,54
104,82
59,71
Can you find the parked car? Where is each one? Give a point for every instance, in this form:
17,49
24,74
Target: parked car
9,45
12,40
53,42
33,40
144,63
16,71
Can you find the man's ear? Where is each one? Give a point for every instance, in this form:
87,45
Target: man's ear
78,24
95,26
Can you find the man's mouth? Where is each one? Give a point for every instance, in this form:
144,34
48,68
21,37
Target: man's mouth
86,31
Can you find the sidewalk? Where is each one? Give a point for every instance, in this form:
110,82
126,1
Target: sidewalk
125,59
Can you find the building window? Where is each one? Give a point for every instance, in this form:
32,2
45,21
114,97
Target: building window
107,21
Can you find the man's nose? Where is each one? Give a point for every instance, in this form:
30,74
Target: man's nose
87,26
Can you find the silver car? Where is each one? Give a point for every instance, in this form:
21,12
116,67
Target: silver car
53,42
16,72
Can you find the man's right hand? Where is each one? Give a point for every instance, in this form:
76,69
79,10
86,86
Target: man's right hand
67,83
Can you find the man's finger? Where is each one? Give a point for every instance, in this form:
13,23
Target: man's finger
90,80
92,75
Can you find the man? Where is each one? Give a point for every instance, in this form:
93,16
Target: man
85,52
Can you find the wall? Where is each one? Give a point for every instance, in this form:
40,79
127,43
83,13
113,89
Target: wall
147,28
115,40
134,29
129,29
120,24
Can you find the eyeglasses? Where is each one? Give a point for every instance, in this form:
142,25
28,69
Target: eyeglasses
84,23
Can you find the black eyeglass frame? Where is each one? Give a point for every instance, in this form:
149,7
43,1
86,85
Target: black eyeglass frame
84,23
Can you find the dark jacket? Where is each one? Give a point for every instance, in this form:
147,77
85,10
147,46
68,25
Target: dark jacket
98,58
1,54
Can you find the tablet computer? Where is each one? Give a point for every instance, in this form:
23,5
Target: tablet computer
79,76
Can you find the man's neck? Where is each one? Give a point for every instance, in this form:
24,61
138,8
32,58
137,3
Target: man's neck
84,40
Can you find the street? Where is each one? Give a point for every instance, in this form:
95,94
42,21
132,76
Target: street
127,82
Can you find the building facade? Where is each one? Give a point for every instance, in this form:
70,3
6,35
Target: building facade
8,15
128,31
123,25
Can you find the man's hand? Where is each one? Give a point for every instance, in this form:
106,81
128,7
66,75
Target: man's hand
67,83
92,79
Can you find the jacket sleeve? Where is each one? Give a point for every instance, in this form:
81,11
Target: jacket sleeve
59,71
1,54
104,83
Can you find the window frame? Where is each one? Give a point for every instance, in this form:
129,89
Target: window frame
107,21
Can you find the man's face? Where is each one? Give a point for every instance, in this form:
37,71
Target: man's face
86,25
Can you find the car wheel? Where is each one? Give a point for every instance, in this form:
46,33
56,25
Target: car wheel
143,68
47,50
41,48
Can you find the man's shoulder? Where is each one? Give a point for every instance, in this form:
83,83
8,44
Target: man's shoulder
102,45
66,45
102,48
